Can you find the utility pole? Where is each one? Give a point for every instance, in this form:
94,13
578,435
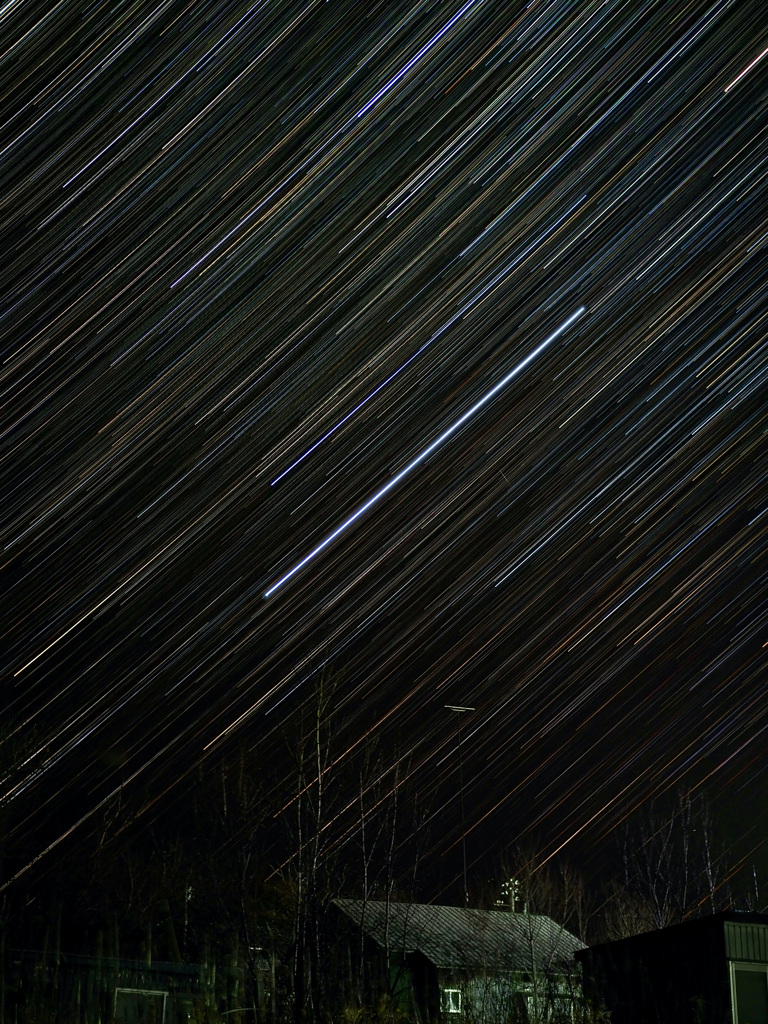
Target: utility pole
459,711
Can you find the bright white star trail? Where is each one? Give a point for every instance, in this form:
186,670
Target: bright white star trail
425,453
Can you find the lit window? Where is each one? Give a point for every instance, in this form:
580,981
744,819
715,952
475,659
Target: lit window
451,1001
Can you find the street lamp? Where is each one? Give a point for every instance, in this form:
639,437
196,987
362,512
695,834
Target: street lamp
459,712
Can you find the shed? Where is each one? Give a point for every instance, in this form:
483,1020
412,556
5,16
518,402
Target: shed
713,970
449,963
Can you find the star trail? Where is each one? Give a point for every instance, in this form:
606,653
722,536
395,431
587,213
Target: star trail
260,263
446,434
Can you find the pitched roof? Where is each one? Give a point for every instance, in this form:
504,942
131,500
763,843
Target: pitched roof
458,937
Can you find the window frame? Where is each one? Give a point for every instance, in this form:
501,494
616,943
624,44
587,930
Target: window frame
743,965
450,1000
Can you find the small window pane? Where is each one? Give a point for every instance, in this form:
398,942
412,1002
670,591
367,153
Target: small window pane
139,1006
451,1000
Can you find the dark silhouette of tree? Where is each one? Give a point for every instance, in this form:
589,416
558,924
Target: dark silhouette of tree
673,866
312,869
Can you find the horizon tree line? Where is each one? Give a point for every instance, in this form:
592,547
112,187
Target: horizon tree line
244,869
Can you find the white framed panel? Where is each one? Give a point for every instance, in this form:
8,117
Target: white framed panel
749,992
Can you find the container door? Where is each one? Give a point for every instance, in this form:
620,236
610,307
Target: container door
749,993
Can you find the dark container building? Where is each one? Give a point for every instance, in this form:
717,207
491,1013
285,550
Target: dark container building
713,970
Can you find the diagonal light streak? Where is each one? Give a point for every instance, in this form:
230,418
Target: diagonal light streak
415,59
425,453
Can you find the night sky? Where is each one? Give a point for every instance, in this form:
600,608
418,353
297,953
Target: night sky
423,344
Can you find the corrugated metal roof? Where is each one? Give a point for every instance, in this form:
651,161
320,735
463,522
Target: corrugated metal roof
456,937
